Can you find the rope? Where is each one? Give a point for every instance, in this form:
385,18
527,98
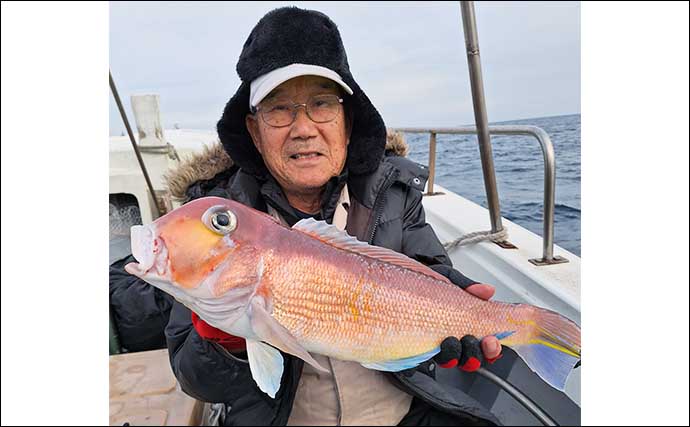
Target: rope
477,236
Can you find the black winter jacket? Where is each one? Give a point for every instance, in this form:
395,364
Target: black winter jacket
140,311
386,210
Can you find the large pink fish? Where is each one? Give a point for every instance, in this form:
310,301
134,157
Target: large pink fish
313,288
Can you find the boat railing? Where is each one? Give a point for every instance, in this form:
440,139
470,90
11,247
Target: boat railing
549,173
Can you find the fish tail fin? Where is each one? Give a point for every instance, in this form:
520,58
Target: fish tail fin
550,345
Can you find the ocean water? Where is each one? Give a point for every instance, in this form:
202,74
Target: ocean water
519,165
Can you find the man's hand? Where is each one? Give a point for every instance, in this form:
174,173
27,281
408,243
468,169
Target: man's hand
490,345
467,352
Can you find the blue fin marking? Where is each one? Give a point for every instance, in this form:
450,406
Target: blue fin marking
505,334
402,364
552,365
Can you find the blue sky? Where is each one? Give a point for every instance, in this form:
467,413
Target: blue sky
408,57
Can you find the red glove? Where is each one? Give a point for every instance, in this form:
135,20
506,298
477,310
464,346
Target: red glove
231,343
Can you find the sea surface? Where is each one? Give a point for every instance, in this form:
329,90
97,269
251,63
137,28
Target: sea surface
519,165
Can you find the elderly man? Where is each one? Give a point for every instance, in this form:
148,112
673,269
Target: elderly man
305,141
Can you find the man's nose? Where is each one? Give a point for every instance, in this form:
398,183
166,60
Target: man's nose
303,127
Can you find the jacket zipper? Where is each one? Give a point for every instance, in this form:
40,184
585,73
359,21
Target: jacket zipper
379,203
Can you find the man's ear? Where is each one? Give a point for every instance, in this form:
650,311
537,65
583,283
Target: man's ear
253,128
349,121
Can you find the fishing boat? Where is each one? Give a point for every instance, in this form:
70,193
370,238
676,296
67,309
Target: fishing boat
523,266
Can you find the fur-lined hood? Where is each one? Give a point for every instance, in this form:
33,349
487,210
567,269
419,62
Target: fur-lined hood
214,159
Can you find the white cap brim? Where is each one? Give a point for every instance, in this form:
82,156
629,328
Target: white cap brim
263,85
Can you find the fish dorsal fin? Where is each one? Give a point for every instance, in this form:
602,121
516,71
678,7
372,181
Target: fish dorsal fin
330,234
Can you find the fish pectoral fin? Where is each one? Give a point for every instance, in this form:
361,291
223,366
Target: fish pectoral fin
402,364
266,366
272,332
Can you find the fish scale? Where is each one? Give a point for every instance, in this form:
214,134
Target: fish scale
369,318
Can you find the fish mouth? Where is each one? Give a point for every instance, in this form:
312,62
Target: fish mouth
149,250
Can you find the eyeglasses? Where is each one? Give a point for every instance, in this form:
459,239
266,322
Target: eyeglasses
283,112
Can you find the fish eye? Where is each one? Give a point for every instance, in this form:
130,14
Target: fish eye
223,222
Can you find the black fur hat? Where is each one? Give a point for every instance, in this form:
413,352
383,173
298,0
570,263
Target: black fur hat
287,36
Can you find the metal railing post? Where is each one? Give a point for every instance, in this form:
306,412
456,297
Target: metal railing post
469,25
432,163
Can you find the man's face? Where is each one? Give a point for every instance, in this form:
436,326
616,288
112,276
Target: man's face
303,156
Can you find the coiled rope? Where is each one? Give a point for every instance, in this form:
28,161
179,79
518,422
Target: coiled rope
477,236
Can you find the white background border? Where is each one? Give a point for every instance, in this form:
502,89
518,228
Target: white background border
634,213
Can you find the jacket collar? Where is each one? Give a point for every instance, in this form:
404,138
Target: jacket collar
392,168
212,167
257,193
